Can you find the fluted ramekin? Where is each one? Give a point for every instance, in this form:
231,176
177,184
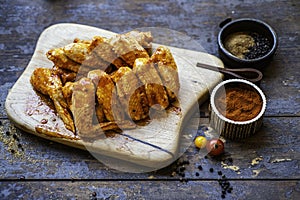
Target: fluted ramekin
230,129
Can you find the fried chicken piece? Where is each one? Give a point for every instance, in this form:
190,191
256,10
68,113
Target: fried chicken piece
83,109
93,61
78,57
107,95
167,69
77,51
65,75
126,47
155,91
59,58
95,42
49,83
131,93
143,38
104,50
68,89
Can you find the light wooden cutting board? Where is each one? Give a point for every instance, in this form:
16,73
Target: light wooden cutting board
154,145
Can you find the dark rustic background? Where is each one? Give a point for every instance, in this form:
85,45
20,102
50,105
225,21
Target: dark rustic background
34,168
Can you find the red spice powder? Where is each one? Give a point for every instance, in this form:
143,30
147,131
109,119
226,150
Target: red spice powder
239,103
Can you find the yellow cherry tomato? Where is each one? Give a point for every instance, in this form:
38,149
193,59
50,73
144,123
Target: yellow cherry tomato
200,142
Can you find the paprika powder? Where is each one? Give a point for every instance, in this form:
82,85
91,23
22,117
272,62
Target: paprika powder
239,103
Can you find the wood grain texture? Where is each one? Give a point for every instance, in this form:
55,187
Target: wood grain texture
153,145
198,19
48,163
149,190
57,161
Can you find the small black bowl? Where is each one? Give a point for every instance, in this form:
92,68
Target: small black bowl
248,25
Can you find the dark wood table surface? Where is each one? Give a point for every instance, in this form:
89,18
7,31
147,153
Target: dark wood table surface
35,168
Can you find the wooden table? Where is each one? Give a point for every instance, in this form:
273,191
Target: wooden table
34,168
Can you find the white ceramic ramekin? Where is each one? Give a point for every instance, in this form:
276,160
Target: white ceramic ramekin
230,129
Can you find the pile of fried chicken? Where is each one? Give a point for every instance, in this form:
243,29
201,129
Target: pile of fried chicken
107,84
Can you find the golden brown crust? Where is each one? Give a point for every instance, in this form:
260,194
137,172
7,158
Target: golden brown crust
93,61
128,48
143,38
104,50
155,91
65,75
76,51
131,93
94,80
106,95
58,57
83,108
167,68
67,91
49,83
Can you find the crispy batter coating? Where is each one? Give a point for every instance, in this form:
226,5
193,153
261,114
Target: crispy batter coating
143,38
155,91
128,48
65,75
94,80
76,51
167,69
59,58
67,91
93,61
83,109
104,50
106,95
95,42
49,83
131,93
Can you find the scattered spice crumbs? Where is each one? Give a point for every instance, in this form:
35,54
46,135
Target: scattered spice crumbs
256,161
11,141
